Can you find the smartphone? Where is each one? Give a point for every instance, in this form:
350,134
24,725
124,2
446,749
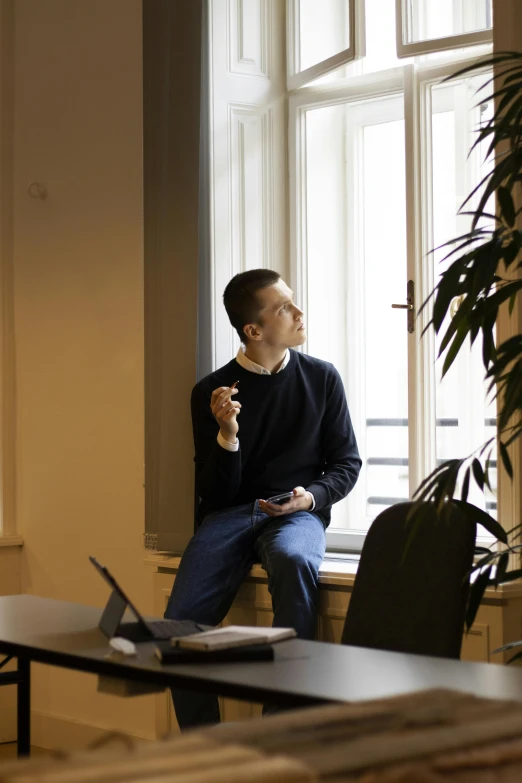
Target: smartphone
279,500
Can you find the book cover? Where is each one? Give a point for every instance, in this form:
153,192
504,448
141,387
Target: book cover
257,652
232,636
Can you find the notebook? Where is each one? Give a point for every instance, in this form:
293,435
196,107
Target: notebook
232,636
253,652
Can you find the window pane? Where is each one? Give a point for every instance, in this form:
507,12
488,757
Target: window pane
465,416
356,255
432,19
381,46
323,31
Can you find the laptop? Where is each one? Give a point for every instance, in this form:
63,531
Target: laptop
143,630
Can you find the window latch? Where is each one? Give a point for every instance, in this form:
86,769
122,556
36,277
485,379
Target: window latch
409,306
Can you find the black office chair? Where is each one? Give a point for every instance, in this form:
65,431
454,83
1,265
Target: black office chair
413,603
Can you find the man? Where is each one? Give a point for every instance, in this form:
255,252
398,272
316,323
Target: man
270,421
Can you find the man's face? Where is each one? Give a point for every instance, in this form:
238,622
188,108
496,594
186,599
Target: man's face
281,321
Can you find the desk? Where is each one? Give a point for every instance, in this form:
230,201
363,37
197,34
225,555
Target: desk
303,673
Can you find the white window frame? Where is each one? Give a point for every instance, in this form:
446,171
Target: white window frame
297,78
386,84
406,48
416,82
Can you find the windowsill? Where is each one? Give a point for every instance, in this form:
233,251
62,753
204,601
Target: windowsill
11,541
334,572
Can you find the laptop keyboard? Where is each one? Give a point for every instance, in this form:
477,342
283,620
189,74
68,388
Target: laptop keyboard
166,629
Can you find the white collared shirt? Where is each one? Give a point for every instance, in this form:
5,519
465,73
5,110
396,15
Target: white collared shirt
247,364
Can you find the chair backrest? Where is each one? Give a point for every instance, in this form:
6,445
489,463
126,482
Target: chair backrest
413,602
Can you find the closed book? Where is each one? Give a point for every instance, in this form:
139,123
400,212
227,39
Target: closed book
232,636
255,652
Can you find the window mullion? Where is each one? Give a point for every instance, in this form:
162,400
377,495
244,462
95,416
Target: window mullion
293,42
297,192
421,380
355,315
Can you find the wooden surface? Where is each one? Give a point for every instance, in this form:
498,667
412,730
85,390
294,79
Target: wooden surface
66,634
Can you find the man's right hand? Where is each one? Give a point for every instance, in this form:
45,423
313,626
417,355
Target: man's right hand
225,411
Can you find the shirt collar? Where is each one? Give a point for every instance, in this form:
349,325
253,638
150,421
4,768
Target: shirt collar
248,364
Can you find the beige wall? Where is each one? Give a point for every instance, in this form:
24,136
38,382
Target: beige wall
78,296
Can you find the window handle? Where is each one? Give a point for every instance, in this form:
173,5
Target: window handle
409,306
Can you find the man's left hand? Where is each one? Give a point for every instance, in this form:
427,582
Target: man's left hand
301,501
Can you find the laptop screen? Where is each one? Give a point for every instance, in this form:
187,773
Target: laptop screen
111,581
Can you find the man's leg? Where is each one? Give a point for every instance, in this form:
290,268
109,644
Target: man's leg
212,568
291,549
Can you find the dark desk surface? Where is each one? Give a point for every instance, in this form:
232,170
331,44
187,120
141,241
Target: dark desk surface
66,634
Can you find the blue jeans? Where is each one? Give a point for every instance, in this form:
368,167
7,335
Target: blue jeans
216,562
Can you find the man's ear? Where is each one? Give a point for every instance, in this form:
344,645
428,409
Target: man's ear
252,332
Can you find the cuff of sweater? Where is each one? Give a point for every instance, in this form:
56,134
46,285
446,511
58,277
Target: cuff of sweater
319,495
225,444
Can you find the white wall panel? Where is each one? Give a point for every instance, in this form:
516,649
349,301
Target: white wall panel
249,38
251,188
248,150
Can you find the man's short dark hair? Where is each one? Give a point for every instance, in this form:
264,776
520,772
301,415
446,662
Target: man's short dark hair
240,297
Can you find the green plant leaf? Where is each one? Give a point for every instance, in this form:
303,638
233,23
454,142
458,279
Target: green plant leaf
488,62
476,592
478,473
507,208
481,517
446,490
476,268
433,477
482,550
511,396
512,300
505,459
508,576
465,486
488,558
517,432
455,347
515,657
500,572
486,473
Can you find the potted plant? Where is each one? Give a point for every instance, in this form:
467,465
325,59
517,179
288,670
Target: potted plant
483,270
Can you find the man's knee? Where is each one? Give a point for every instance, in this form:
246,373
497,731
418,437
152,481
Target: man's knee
294,563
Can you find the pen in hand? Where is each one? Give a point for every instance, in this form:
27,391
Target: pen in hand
225,411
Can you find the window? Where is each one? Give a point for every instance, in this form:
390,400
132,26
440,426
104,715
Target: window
378,170
354,155
320,39
425,26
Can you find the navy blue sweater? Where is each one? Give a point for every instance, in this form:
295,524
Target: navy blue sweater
294,430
